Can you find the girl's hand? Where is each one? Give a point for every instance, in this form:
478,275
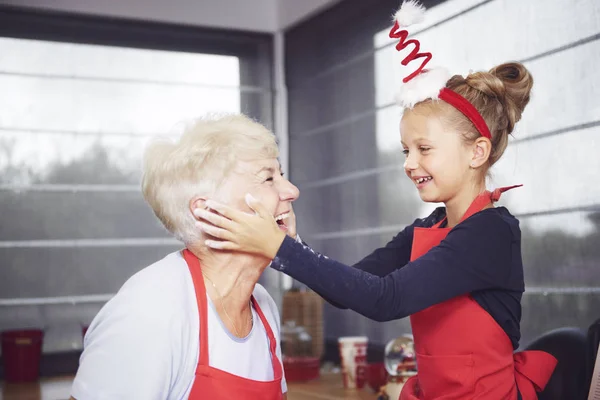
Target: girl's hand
239,231
291,224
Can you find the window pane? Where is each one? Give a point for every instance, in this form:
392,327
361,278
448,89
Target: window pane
67,215
47,272
74,121
561,250
70,158
106,107
23,56
556,171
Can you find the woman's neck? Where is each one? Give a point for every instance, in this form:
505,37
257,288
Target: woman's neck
230,280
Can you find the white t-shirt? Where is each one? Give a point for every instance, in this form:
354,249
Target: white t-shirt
144,343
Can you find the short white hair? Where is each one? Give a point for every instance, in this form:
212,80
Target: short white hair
174,172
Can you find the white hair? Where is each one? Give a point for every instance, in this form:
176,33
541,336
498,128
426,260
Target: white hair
174,172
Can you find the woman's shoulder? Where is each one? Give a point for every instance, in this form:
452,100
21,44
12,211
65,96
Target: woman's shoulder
163,286
169,274
264,298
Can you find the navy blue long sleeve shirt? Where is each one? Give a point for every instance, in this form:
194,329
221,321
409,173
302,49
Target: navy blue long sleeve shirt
480,256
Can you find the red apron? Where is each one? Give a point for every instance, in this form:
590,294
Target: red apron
213,384
462,353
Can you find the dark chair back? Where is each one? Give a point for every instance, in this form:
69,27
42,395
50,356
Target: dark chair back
593,340
569,346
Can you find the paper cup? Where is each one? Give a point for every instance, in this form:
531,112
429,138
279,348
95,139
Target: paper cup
353,352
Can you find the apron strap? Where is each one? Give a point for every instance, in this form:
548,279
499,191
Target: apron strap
495,195
484,199
481,201
277,369
196,272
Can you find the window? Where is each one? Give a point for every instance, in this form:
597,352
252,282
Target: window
78,104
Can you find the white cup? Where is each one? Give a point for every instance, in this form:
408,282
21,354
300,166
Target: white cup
353,352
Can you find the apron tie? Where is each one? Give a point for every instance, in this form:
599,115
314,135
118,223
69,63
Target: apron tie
533,369
495,195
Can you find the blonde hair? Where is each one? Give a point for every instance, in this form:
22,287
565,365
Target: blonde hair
500,95
174,172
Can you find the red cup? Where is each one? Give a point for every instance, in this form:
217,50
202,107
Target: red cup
353,353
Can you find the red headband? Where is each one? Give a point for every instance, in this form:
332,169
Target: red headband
411,12
464,106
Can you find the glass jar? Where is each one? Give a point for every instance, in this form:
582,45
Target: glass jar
400,360
295,341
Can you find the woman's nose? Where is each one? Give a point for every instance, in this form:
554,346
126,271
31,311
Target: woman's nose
288,191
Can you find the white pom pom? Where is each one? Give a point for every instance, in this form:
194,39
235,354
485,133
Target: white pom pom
410,13
426,85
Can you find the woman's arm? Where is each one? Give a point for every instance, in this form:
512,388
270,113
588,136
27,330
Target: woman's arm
116,361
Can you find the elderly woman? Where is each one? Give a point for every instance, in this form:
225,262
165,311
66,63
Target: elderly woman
196,324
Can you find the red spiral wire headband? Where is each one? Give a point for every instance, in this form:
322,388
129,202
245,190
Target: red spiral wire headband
422,83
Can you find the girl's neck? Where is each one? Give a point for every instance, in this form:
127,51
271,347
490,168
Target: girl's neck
459,204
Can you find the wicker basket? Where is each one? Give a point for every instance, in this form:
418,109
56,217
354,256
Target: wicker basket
305,307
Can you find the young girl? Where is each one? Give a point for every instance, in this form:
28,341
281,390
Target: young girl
457,273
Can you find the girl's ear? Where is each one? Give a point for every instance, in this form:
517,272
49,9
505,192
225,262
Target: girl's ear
481,152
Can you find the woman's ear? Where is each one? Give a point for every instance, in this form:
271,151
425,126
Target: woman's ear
481,152
197,202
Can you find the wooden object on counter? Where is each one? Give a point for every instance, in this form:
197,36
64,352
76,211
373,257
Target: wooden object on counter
305,307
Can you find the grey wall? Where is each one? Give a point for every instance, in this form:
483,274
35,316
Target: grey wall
345,152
